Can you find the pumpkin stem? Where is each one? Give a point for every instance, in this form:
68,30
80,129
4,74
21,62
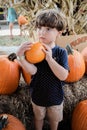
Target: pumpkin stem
12,57
3,121
69,49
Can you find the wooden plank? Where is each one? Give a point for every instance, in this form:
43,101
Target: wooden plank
64,40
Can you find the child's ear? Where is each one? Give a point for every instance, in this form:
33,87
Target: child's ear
59,33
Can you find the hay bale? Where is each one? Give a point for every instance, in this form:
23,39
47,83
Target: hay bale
74,93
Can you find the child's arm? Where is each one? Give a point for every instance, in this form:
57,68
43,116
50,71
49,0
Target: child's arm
56,68
26,65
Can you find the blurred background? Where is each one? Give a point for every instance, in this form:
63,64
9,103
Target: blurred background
74,10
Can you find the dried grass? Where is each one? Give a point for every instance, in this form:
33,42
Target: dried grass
75,11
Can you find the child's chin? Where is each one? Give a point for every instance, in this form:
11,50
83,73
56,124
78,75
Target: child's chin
42,40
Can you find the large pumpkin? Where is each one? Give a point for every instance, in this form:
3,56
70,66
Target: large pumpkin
26,76
22,20
9,122
84,53
35,54
9,74
79,117
76,64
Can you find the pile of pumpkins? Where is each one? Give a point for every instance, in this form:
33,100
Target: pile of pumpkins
10,71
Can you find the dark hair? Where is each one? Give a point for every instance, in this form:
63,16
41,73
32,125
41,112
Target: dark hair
51,18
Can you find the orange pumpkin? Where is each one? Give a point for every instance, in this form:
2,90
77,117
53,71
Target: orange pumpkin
35,54
84,53
26,76
79,116
9,122
9,74
22,20
76,64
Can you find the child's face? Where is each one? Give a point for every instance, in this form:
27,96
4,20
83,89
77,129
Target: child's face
46,34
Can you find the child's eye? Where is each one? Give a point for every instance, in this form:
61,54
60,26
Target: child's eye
48,29
39,27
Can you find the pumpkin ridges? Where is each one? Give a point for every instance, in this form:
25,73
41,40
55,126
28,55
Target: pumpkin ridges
79,117
77,66
35,54
10,75
84,51
26,76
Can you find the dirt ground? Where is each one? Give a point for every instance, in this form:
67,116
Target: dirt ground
16,41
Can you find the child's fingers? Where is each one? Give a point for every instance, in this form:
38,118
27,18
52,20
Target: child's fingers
45,46
26,46
44,50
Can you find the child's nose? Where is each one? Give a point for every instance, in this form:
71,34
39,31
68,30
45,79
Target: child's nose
43,31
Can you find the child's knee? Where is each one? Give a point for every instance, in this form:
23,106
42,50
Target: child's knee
39,112
55,113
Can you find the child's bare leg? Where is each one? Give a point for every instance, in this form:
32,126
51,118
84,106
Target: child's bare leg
55,115
53,125
11,29
39,114
38,124
20,30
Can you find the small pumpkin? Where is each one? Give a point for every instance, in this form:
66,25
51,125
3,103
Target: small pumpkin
9,122
9,74
76,65
22,20
84,53
79,116
35,54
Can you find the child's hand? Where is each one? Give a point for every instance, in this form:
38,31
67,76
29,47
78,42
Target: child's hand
47,51
24,47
